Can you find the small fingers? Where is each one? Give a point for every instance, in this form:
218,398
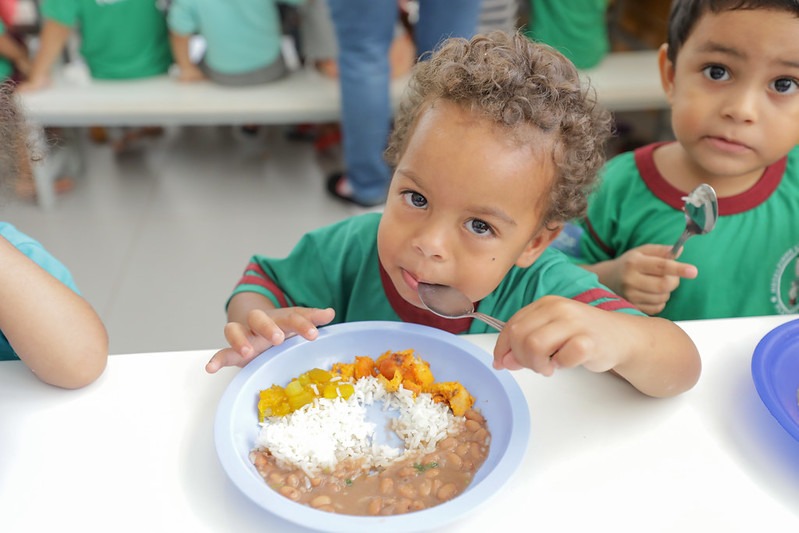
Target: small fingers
226,357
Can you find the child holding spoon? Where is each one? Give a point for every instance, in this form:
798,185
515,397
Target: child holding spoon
494,148
730,70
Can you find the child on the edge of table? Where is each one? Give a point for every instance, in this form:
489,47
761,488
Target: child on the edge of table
43,320
495,147
730,70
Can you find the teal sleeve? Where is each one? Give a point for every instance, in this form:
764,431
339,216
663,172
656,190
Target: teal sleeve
38,254
182,18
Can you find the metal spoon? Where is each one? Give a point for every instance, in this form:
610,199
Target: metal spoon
701,212
449,302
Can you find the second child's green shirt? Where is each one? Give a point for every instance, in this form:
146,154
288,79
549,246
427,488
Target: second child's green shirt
120,39
748,265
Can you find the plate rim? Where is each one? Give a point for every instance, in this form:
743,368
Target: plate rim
764,386
438,516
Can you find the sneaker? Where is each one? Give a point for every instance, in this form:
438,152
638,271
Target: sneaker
340,187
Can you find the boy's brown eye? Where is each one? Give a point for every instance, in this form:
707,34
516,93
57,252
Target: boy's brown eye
418,200
716,72
785,85
479,227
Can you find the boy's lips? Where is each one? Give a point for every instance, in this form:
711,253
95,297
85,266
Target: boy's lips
727,145
410,280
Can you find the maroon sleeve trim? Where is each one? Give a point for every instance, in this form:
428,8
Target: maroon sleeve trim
255,275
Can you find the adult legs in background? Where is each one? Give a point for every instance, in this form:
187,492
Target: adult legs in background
365,30
439,19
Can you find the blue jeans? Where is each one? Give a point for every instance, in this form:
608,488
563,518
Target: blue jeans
365,30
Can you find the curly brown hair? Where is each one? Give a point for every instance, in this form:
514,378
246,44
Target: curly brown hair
15,152
516,83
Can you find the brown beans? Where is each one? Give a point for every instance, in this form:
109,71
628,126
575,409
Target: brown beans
290,492
407,471
471,414
407,490
454,460
319,501
434,472
448,443
375,505
386,486
473,425
416,483
425,487
446,492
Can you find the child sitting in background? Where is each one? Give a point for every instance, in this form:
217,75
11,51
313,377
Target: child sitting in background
481,118
243,40
13,56
730,70
43,320
123,39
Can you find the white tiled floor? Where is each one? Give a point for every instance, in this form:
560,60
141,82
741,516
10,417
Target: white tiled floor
157,239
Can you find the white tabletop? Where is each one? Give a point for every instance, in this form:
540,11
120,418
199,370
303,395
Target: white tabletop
134,451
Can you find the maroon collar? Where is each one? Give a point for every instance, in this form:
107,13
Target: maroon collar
730,205
416,315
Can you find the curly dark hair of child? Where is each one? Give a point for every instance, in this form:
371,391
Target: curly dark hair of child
15,154
517,84
686,13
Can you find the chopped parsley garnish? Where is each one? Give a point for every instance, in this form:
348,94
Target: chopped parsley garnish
420,467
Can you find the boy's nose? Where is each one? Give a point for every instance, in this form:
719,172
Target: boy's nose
742,105
431,242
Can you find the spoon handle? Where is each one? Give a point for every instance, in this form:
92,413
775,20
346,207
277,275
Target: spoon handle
680,242
490,320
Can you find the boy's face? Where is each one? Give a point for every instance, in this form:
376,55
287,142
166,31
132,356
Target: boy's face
734,91
464,206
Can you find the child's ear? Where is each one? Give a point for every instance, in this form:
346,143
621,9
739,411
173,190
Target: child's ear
537,245
666,71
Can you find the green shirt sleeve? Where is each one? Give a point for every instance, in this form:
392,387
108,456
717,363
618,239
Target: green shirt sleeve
65,12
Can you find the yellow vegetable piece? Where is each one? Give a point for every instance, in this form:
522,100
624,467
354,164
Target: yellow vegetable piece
294,388
392,369
318,375
298,400
346,390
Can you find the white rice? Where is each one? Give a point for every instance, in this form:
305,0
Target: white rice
318,436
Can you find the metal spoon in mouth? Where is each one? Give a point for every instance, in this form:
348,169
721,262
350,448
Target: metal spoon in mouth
449,302
701,212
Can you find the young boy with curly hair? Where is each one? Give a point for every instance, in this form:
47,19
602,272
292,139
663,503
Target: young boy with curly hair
730,70
495,147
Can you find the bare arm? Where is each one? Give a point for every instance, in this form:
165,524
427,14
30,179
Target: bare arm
653,354
180,51
14,52
54,331
52,39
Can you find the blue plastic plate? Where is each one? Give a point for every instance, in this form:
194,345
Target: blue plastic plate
497,395
775,370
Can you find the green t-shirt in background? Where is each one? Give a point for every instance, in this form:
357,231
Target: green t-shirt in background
6,68
577,28
120,39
